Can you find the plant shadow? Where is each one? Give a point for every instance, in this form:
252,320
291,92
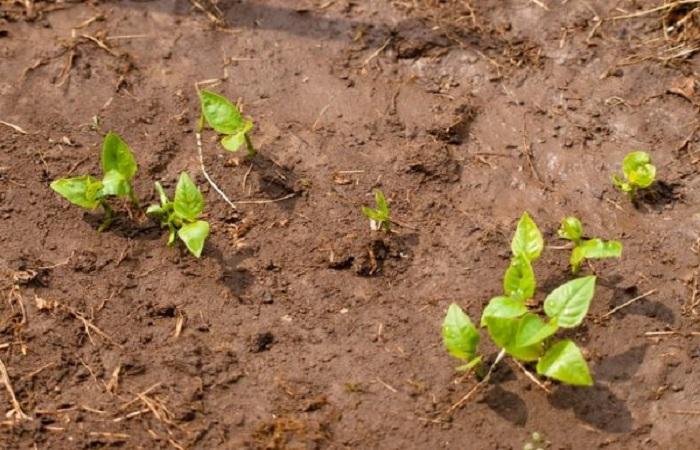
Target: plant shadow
507,405
236,279
597,406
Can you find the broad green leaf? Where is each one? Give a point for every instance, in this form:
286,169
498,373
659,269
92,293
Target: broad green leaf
188,202
470,365
114,183
233,142
83,191
569,303
519,280
527,240
638,169
504,331
117,156
594,249
459,335
533,330
504,308
193,235
222,115
564,362
571,229
164,200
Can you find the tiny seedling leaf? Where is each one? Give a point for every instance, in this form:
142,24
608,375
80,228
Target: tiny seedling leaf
193,235
459,335
188,202
594,249
527,240
114,183
638,169
564,361
234,141
519,280
117,156
569,303
571,229
222,115
164,200
84,191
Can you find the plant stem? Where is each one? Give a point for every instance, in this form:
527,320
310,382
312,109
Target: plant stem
249,144
476,387
109,217
221,193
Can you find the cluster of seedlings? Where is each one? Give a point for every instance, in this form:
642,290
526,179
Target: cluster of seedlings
181,215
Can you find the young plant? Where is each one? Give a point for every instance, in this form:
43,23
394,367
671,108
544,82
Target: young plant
639,173
379,218
225,118
518,330
180,215
118,168
572,230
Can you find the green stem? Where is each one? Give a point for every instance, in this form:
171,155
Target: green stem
108,218
251,150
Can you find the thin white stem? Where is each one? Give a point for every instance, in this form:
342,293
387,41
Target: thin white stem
206,175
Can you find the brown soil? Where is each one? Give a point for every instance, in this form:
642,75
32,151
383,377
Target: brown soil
299,328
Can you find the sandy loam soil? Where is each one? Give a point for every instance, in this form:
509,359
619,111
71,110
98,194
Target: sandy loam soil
299,328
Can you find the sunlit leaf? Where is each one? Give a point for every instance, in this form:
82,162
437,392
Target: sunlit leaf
571,229
117,156
527,240
222,115
459,335
193,235
84,191
519,280
188,202
564,362
569,303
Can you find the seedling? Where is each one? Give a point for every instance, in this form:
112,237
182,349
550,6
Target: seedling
572,230
180,215
518,330
225,118
639,173
379,218
118,168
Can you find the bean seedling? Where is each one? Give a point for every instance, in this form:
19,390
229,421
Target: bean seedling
572,230
118,168
639,173
180,215
225,118
519,331
379,218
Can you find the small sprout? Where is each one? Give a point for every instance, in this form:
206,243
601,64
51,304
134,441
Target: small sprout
118,167
572,230
225,118
379,218
180,216
639,173
516,329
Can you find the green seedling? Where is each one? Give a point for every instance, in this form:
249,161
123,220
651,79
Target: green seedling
180,216
520,331
379,218
224,117
572,230
118,168
639,173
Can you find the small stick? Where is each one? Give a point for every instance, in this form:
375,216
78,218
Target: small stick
245,177
627,303
479,384
685,411
262,202
540,4
531,376
658,8
14,127
206,175
391,388
671,333
377,52
5,378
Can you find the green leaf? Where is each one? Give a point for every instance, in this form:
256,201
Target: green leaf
155,210
504,332
188,202
527,240
84,191
193,235
564,362
638,169
382,204
571,229
117,156
459,335
164,200
372,214
114,183
222,115
519,280
594,249
569,303
621,184
533,330
233,142
504,308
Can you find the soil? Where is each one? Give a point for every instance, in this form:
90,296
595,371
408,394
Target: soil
300,328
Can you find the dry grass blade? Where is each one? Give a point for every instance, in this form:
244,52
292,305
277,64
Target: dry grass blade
17,128
627,303
5,378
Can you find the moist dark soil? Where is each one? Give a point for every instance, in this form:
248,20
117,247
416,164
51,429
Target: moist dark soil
299,328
